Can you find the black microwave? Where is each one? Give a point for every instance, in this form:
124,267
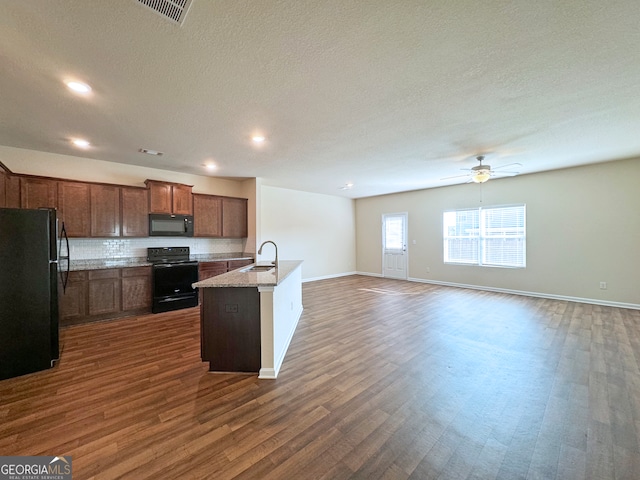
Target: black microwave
165,225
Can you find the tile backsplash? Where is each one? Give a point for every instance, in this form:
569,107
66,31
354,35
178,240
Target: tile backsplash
105,248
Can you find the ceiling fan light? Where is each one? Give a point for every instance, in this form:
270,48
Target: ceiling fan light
481,176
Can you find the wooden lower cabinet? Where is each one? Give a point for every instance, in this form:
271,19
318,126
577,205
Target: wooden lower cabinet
213,269
208,270
92,295
136,289
234,264
105,291
72,305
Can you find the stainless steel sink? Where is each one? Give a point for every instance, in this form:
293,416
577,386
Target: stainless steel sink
259,268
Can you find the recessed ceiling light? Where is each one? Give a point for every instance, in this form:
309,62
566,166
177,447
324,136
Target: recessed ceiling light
80,143
79,87
210,166
150,152
258,139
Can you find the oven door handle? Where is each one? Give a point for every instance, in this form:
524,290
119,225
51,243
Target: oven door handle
171,265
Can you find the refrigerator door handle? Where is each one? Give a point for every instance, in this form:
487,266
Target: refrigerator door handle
64,276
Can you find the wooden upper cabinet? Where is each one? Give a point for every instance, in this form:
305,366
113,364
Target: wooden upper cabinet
105,211
3,188
12,191
182,201
38,193
207,216
159,197
135,207
234,217
169,198
74,208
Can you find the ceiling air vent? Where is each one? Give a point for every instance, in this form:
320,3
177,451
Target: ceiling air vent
174,10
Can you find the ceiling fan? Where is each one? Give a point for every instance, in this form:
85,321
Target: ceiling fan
482,172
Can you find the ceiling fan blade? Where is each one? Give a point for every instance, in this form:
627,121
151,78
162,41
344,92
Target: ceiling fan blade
455,176
508,165
507,174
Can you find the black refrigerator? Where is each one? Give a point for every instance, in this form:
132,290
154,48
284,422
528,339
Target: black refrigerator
29,338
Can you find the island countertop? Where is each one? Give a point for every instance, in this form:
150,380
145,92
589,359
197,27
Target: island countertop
238,278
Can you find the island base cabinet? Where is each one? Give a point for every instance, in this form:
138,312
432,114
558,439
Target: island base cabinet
230,329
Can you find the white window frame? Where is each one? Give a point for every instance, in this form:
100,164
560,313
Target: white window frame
479,236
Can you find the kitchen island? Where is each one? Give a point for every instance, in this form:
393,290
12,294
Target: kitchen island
248,318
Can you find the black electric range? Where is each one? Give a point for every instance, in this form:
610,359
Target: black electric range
173,275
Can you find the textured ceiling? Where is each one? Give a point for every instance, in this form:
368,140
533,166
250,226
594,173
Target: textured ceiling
389,95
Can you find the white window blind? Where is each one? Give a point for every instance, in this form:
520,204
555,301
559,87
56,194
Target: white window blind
489,236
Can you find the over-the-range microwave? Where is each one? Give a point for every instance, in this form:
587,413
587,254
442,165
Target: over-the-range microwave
165,225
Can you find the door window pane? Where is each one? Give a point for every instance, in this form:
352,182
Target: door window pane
393,232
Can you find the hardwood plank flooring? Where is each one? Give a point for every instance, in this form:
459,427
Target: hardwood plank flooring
384,379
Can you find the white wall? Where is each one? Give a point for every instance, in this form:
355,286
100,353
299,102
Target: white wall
318,229
583,227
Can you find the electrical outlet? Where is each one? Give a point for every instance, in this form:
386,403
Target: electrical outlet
603,285
231,308
428,270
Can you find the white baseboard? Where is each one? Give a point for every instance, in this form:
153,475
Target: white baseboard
370,274
326,277
550,296
268,373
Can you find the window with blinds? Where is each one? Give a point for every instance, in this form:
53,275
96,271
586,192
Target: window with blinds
487,236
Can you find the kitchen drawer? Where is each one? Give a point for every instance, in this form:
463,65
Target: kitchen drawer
77,276
107,273
135,271
211,269
233,264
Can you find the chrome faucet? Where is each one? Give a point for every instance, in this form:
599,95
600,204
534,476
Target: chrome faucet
274,244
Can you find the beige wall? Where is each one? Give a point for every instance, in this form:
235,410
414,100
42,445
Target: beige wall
318,229
250,189
31,162
583,227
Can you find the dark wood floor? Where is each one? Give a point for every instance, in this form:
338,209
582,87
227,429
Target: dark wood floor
383,379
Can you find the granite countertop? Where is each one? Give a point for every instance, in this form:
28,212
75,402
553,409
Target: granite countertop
99,264
238,278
